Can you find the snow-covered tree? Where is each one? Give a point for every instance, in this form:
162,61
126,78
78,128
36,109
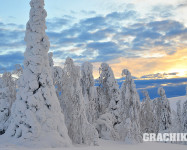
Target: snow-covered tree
156,105
147,119
165,111
109,93
7,97
109,96
36,114
72,103
179,116
89,92
184,117
131,110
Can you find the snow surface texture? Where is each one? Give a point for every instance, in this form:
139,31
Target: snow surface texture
73,106
36,114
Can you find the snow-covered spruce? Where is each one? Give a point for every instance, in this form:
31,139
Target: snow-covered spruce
109,100
131,133
165,111
7,97
109,93
72,103
89,92
157,112
36,114
184,118
147,119
176,121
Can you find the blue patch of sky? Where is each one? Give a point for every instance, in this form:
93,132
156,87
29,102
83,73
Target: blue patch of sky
173,87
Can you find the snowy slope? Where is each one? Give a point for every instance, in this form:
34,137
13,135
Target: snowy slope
174,100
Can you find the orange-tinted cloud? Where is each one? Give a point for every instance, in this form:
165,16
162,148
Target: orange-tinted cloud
142,66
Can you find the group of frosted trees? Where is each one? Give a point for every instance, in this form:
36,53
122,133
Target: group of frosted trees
53,106
105,111
156,114
158,117
179,119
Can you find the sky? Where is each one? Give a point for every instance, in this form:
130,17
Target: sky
147,37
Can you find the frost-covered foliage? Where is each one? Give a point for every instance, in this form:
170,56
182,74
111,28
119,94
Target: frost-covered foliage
7,97
184,117
104,125
109,93
157,112
130,111
18,71
89,92
176,120
72,102
109,98
162,112
147,118
36,114
179,116
165,111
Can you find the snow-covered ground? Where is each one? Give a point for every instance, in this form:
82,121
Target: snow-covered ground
107,144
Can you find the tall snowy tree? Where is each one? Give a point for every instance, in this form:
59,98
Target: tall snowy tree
156,105
109,93
89,92
72,102
165,111
36,114
109,97
147,119
184,117
179,116
7,97
131,110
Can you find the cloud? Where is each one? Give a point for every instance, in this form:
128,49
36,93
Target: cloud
11,37
93,32
153,65
122,15
9,60
163,11
58,23
160,75
117,37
